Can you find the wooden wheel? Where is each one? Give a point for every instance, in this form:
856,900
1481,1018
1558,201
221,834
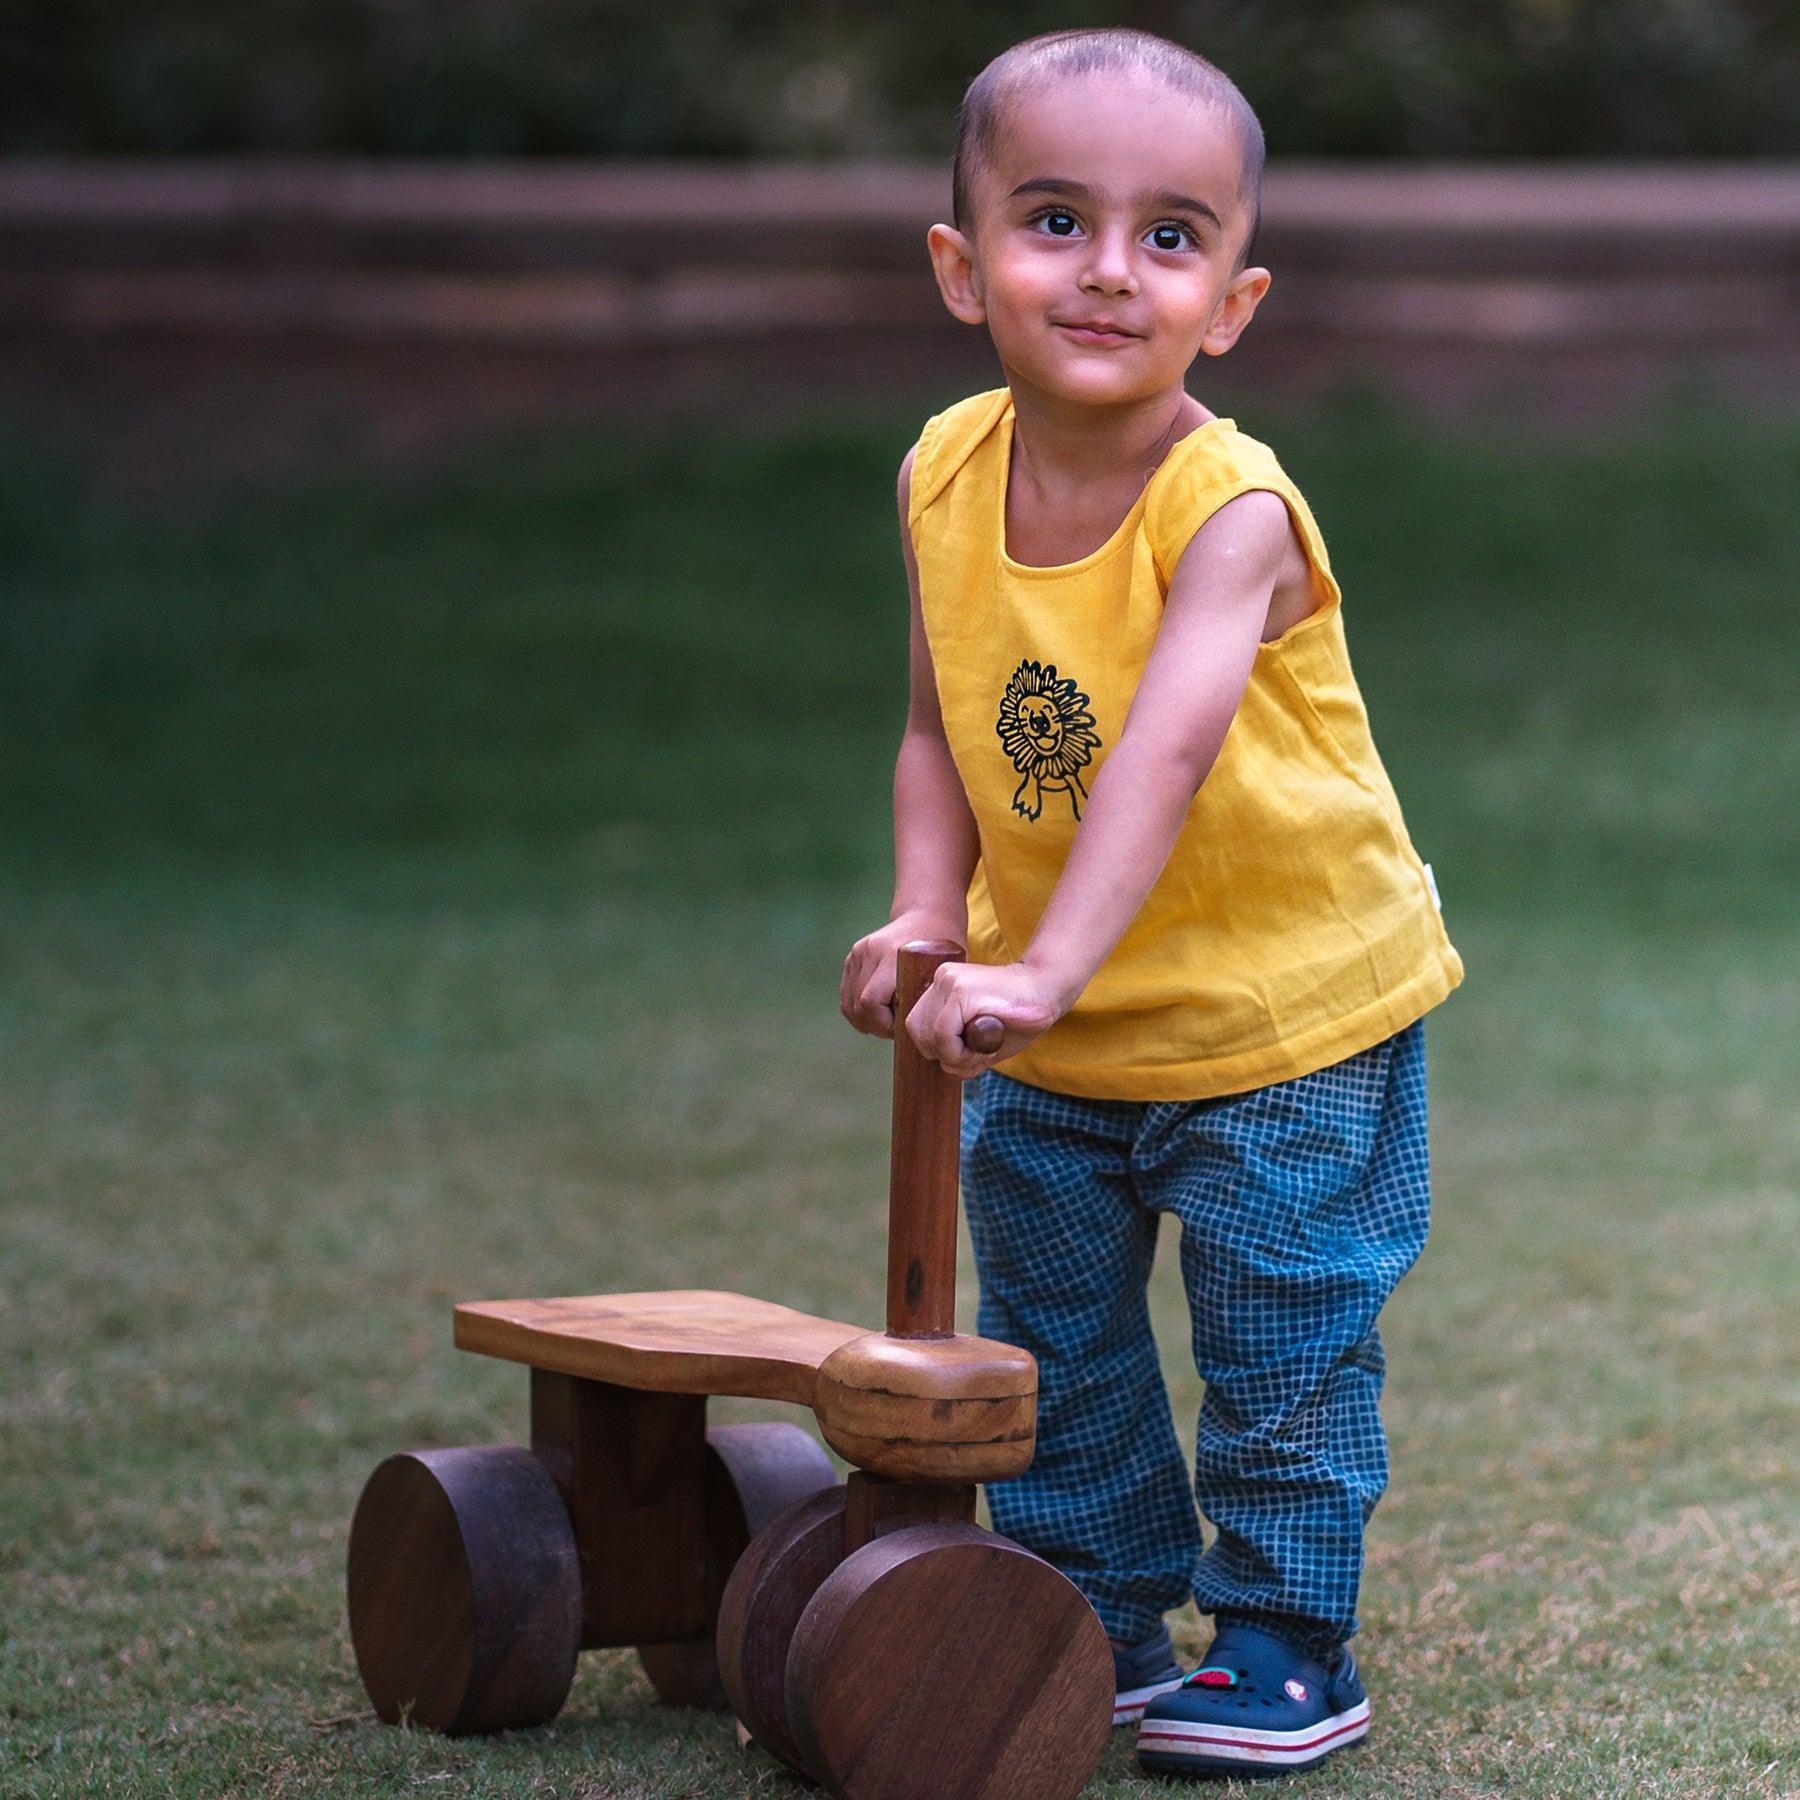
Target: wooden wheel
753,1472
768,1590
943,1660
464,1590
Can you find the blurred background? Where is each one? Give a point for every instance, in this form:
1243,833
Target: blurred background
395,226
451,659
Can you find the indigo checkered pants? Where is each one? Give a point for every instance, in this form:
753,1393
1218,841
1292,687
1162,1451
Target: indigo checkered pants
1301,1206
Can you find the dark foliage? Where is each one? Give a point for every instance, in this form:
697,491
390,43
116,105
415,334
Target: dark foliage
1529,78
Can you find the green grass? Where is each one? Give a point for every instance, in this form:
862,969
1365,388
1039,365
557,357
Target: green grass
412,892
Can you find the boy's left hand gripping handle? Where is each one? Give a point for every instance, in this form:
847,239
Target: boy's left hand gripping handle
923,1167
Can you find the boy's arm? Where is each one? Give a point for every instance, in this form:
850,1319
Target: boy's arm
935,840
1192,684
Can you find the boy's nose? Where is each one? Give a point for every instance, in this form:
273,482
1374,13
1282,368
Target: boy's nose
1109,267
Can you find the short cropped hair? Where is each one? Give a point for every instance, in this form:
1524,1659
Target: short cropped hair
1031,66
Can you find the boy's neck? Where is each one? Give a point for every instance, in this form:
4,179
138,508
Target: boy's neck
1062,446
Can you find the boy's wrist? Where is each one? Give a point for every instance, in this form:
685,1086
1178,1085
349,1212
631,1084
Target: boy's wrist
1063,981
932,918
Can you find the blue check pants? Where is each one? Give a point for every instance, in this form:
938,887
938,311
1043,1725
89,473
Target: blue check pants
1301,1206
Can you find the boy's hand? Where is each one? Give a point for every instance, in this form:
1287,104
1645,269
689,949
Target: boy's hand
1025,1000
866,997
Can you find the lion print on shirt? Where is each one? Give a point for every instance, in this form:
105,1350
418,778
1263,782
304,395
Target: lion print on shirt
1047,730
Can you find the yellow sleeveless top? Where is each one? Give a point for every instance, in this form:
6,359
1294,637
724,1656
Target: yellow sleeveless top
1294,924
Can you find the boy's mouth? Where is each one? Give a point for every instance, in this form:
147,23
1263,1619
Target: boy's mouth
1096,331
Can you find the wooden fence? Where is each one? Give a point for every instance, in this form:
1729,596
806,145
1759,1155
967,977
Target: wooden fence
1568,289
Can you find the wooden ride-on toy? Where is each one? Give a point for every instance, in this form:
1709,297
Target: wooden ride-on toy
869,1633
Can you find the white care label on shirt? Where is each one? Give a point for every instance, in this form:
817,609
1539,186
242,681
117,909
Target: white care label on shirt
1431,882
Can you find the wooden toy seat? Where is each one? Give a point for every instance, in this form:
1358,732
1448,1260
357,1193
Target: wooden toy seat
691,1341
942,1408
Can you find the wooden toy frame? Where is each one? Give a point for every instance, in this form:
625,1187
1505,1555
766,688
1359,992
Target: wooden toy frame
868,1634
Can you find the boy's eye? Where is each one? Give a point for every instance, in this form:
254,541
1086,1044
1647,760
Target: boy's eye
1171,237
1057,223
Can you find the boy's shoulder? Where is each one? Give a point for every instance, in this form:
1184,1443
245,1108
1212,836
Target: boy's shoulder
947,441
972,418
1211,466
1213,461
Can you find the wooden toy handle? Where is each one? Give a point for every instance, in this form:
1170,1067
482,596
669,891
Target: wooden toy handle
921,1298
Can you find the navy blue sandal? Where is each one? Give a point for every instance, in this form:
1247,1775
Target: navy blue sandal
1256,1706
1141,1673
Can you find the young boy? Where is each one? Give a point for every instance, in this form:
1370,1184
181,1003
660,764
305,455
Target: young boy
1137,778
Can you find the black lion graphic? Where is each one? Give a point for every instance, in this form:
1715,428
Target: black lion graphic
1045,727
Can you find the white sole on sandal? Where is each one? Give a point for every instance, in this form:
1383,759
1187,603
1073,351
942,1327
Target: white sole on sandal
1214,1746
1129,1703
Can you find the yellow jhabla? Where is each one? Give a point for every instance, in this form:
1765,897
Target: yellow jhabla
1295,924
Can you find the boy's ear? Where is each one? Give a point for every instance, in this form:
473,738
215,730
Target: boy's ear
958,279
1239,301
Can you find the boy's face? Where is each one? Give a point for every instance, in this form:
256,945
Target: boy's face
1111,202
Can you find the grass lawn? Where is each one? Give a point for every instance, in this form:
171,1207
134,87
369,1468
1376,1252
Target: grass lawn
413,892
